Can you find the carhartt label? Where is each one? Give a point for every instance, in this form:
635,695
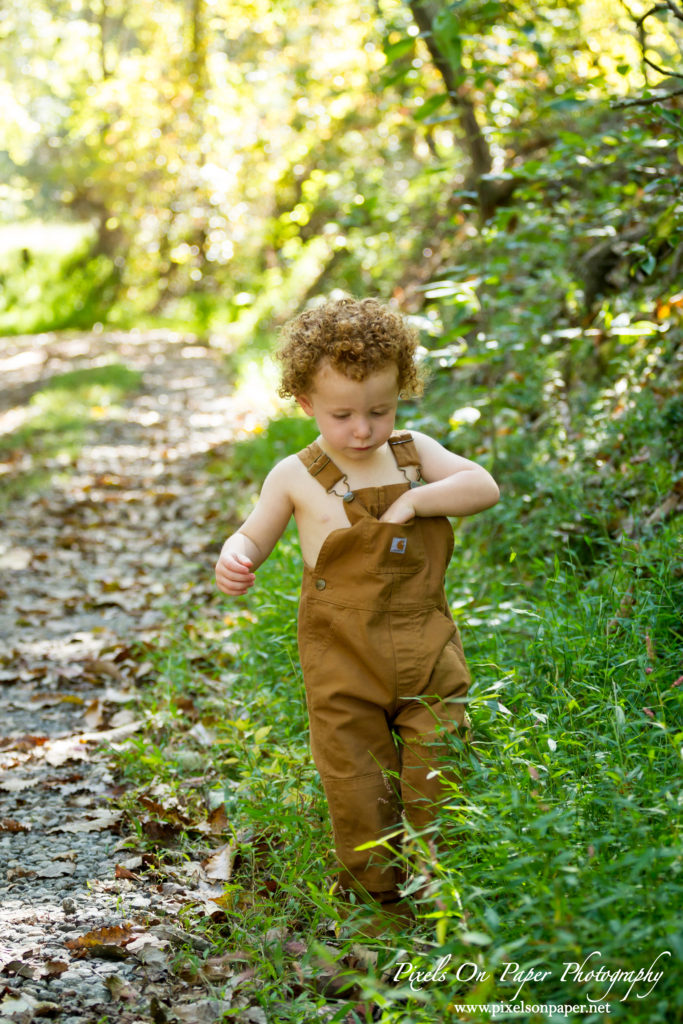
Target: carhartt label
398,545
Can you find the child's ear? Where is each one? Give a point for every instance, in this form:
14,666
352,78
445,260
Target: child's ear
305,403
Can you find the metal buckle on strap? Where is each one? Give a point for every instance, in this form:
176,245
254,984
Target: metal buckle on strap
313,470
348,494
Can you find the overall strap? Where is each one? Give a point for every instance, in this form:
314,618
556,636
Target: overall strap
320,466
404,451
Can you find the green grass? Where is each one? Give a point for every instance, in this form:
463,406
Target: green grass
53,290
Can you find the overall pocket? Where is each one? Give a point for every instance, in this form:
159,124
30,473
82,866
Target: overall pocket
393,548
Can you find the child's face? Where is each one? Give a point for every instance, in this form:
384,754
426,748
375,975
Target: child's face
355,417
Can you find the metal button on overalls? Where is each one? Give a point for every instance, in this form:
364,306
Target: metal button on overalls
383,668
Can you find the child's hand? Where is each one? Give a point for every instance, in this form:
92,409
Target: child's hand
400,511
233,573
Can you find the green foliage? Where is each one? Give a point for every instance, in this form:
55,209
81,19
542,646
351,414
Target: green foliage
43,291
252,459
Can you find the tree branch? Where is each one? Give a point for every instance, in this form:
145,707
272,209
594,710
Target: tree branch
649,101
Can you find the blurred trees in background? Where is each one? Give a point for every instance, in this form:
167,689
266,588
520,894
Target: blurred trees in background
227,148
507,173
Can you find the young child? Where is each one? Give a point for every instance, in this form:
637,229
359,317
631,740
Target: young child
382,660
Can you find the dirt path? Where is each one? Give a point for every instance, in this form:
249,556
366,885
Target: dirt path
87,566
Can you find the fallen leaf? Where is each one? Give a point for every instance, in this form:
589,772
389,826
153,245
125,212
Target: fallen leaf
108,943
120,989
11,1006
218,967
15,559
56,869
9,825
295,947
124,717
56,967
149,950
219,865
94,714
203,735
205,1012
103,820
99,666
218,819
122,872
14,785
22,742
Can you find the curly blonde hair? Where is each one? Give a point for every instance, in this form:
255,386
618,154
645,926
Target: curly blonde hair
356,337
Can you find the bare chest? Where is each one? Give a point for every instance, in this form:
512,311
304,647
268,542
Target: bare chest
319,513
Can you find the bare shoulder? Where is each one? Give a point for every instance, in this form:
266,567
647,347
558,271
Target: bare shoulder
437,461
284,477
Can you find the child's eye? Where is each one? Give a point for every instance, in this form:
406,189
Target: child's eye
382,412
340,415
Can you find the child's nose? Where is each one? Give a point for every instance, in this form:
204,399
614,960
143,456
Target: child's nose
363,428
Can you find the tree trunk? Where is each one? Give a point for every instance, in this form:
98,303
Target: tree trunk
473,140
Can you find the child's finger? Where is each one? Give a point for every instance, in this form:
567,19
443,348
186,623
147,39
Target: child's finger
243,560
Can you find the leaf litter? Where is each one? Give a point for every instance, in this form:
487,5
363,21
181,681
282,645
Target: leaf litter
90,564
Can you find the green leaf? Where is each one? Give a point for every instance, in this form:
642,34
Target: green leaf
429,106
475,938
395,50
447,35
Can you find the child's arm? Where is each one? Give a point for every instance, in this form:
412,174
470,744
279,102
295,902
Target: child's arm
453,486
249,547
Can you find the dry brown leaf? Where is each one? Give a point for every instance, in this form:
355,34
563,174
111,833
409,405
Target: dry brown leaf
120,989
94,714
99,666
219,865
149,950
103,819
22,742
9,825
56,967
123,872
218,820
295,947
218,967
108,943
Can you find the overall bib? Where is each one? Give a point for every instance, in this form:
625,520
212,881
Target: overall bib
383,667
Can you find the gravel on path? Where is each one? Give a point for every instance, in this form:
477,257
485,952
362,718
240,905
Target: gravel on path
88,565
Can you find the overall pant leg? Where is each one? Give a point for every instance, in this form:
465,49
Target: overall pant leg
355,752
425,723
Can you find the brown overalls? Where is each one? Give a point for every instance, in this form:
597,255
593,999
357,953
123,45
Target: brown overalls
375,633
